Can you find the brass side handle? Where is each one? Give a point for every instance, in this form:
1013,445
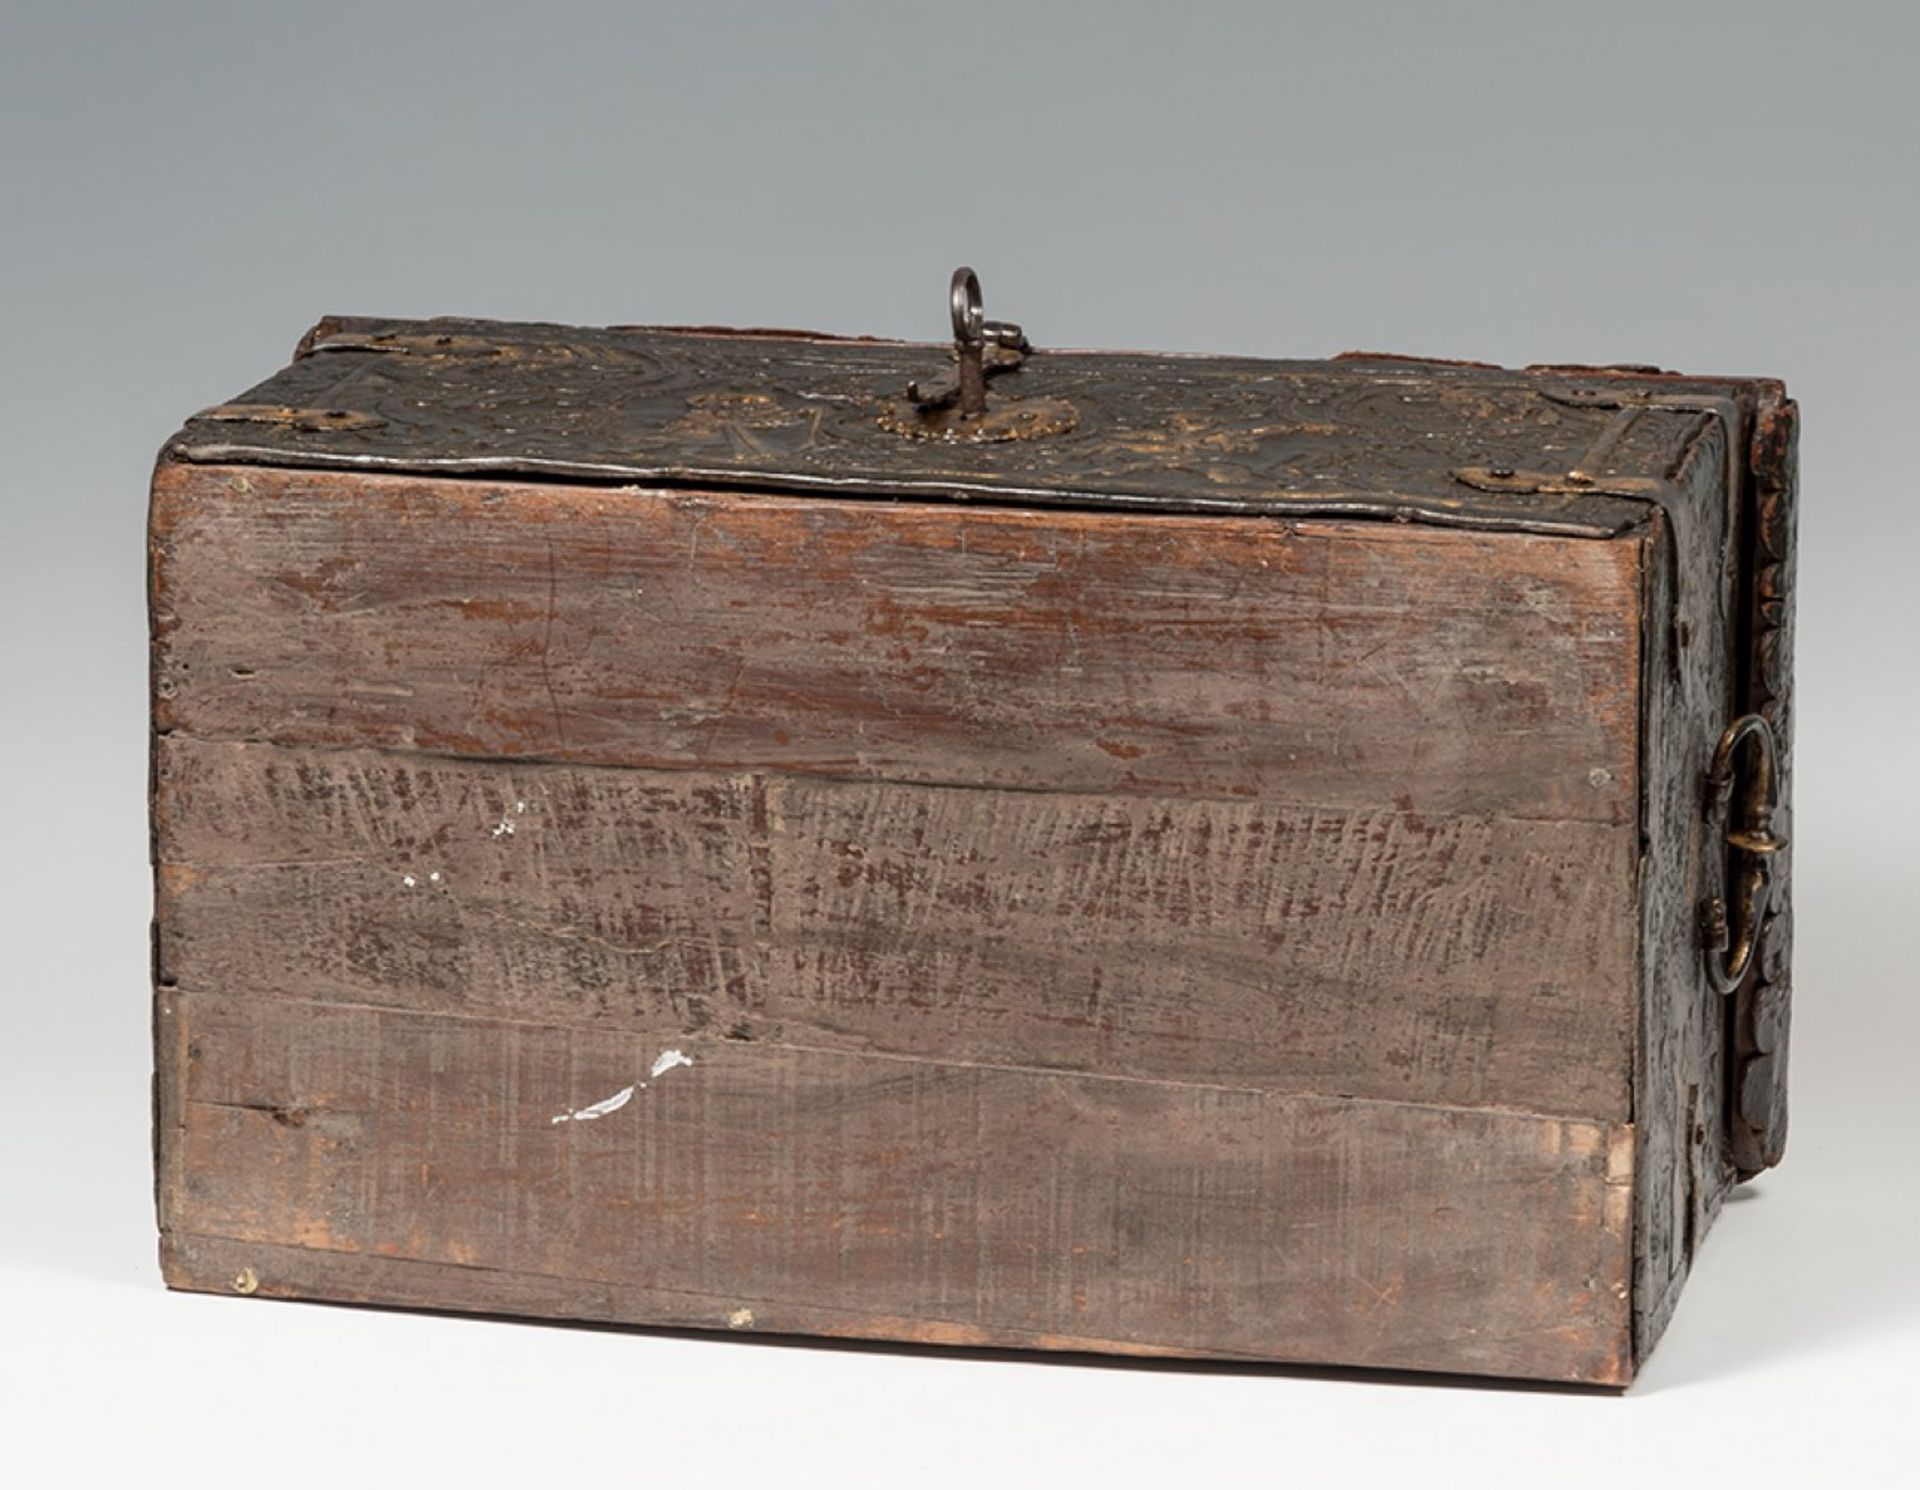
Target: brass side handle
1739,810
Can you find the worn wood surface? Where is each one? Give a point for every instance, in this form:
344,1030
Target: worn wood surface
1204,935
1314,950
776,1187
1314,663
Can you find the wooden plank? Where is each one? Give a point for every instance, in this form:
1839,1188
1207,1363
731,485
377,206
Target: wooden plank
538,892
1379,954
1313,663
906,1198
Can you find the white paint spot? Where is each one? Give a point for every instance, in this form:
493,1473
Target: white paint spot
519,806
503,828
667,1060
601,1108
408,880
434,878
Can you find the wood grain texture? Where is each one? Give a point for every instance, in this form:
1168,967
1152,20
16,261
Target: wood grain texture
893,1198
1315,663
1204,935
1380,954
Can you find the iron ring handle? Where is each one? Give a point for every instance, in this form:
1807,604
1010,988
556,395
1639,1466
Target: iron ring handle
971,328
1742,808
969,312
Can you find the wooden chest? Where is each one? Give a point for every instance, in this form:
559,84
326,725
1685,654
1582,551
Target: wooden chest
755,831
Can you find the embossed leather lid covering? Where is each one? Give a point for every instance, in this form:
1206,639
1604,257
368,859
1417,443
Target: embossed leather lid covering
1557,450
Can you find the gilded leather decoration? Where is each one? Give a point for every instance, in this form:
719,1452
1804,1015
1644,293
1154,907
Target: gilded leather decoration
1361,436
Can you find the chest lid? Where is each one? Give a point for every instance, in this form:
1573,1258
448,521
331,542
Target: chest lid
1570,450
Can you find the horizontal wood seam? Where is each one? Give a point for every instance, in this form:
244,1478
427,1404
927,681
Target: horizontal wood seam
724,768
1612,1125
1308,510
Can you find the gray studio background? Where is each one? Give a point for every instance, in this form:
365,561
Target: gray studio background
184,188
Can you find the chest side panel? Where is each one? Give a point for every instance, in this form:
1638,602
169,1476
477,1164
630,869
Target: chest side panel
1719,633
1273,882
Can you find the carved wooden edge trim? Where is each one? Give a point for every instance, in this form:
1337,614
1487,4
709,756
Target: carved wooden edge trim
1762,1008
